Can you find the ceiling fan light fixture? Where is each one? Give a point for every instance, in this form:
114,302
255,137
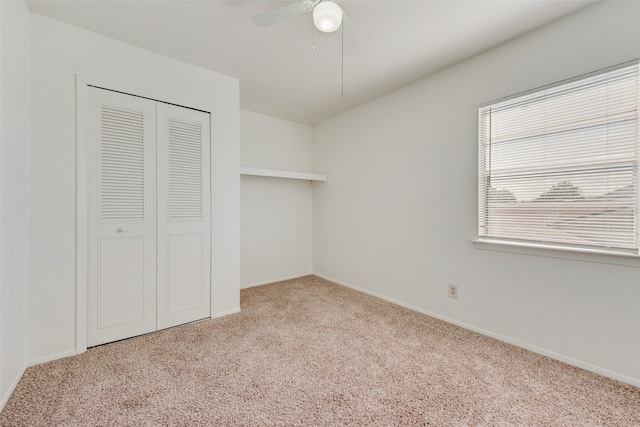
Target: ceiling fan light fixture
327,16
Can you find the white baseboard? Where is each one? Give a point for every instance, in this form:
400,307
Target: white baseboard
225,313
51,357
553,355
270,281
13,386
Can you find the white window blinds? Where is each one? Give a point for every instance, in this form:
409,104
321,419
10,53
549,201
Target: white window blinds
559,165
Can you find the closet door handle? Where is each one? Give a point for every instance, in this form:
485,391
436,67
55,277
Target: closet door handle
121,229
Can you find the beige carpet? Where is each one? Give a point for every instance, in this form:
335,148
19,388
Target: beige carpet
308,352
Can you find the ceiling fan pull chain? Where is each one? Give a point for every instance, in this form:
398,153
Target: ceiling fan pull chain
342,61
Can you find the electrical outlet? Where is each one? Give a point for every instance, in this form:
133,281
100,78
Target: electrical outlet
453,291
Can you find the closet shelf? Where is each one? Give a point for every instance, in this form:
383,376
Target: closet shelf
282,174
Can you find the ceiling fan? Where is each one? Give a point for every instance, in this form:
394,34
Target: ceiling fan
328,16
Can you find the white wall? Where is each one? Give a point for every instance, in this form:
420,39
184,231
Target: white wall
60,52
400,209
14,146
276,213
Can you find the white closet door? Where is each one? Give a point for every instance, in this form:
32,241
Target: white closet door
122,216
184,228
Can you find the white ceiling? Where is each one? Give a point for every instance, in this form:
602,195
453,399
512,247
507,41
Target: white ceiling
280,75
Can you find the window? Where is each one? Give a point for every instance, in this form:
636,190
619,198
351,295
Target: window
559,165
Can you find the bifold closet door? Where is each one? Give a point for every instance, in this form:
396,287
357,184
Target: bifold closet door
122,216
184,203
149,208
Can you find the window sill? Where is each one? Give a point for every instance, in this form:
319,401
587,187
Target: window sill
575,254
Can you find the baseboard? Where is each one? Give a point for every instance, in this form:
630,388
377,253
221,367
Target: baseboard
270,281
51,358
13,386
553,355
225,313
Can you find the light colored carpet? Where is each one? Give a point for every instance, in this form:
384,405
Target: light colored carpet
309,352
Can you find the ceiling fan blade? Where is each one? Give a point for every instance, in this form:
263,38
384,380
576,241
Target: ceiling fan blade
274,16
350,41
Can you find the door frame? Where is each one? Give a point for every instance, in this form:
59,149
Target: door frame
82,220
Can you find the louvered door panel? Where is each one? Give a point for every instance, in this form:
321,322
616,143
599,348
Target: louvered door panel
121,162
184,229
185,169
122,216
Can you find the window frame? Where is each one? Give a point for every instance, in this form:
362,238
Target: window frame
514,244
